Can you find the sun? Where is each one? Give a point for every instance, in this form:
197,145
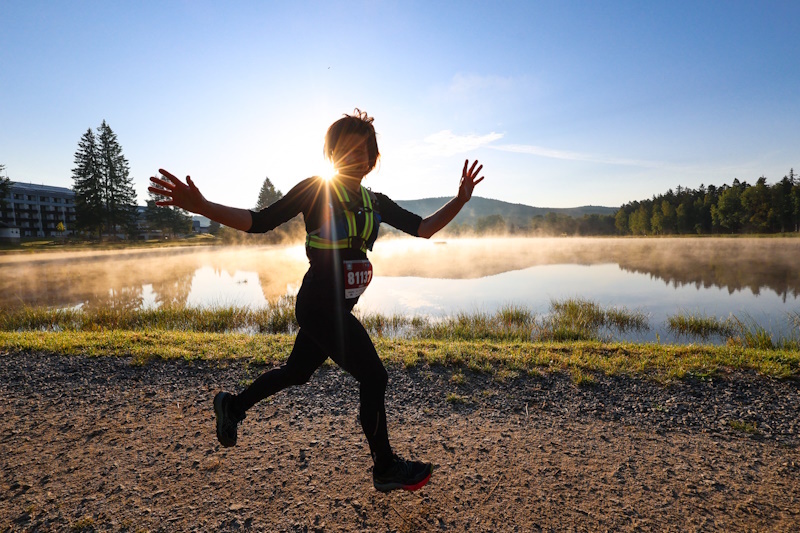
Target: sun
327,171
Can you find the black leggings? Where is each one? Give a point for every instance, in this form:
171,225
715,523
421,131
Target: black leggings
328,329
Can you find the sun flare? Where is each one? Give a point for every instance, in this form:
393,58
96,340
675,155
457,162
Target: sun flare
327,171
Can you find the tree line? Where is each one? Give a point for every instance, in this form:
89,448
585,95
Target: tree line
739,208
736,208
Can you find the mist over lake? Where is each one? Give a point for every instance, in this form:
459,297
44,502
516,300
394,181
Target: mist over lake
754,279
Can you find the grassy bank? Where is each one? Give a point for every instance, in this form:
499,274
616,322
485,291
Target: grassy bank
583,360
574,337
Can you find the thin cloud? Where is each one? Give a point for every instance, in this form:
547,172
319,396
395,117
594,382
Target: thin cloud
446,143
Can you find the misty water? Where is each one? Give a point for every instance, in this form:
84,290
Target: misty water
753,279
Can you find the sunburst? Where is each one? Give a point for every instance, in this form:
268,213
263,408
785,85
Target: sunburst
327,171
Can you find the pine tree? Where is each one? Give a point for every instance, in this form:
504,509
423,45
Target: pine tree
120,196
268,195
89,191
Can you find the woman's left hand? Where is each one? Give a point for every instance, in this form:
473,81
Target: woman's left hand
469,179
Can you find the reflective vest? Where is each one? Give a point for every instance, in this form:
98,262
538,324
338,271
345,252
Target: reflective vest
353,239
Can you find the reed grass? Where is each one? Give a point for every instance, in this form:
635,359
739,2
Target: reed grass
744,331
569,320
577,319
277,317
699,326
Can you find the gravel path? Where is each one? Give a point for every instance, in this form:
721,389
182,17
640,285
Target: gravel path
101,445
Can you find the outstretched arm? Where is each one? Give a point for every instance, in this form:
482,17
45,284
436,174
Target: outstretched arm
187,196
469,179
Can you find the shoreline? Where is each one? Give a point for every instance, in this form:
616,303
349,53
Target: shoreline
585,361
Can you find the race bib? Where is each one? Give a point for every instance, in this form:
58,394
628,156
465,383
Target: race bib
357,275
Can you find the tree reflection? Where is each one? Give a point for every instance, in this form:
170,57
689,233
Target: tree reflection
731,264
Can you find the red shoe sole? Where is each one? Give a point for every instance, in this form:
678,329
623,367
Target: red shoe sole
419,485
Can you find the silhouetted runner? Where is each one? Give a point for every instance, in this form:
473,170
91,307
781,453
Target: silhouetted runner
342,220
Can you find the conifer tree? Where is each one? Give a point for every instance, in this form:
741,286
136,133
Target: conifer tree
120,196
268,195
89,192
105,200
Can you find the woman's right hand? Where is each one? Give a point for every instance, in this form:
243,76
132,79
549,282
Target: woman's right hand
183,195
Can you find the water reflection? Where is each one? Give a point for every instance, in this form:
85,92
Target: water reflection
732,264
177,277
425,276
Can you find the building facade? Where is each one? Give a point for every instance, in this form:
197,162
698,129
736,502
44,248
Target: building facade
31,211
39,210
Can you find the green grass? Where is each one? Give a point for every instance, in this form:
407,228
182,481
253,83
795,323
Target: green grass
454,398
583,360
745,427
572,338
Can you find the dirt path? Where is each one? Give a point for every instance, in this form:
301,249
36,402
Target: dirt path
97,444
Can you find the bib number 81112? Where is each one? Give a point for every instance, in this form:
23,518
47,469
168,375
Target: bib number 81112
357,275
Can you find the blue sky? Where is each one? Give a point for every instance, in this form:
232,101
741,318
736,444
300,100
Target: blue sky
566,103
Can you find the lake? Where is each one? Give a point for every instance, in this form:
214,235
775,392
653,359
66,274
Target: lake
753,279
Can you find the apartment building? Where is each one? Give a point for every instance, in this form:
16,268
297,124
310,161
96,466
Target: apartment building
32,211
37,210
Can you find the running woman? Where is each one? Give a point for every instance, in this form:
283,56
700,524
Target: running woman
342,220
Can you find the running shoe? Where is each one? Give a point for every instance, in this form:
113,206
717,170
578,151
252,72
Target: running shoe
226,419
402,474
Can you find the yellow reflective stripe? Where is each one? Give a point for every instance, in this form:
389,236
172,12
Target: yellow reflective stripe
338,245
339,193
312,241
349,216
369,220
351,223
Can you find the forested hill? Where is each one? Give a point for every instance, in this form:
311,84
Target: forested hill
518,214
